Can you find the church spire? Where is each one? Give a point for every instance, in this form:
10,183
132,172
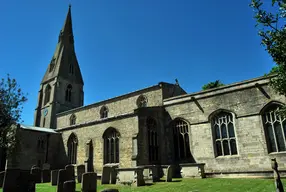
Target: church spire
67,28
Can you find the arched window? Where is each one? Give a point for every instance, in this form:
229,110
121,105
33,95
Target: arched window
72,119
181,139
68,93
111,146
275,129
47,94
103,112
152,140
142,101
72,148
224,134
71,68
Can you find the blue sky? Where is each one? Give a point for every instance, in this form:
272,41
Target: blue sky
126,45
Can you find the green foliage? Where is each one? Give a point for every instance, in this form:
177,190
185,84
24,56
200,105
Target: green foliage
213,84
272,30
273,71
11,105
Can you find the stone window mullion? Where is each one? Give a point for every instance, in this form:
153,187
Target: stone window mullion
273,131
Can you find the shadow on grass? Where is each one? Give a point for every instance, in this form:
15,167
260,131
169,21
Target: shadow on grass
164,180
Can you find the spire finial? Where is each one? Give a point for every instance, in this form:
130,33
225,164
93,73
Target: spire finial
69,5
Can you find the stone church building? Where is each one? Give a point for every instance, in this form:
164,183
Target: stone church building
234,129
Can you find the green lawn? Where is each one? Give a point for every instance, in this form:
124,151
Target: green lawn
190,185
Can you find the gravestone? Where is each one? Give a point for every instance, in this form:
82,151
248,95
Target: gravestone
69,186
89,182
277,180
2,175
169,174
113,175
54,174
62,177
105,177
46,166
70,172
80,171
89,156
37,174
46,176
139,177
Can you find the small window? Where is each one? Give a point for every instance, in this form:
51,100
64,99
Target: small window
68,93
73,119
71,69
103,112
142,101
47,94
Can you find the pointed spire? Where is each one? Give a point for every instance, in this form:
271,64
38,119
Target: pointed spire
67,31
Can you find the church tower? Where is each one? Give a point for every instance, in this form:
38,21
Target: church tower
61,88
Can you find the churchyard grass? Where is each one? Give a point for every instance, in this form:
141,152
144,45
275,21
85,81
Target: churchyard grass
188,185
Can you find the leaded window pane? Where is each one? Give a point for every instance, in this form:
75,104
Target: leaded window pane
72,149
231,130
275,129
111,146
152,140
224,134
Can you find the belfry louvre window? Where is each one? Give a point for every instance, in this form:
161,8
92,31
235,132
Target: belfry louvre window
111,146
181,139
47,94
68,93
72,149
224,134
275,129
152,140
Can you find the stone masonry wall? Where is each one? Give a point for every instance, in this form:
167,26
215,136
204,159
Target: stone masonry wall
246,104
126,127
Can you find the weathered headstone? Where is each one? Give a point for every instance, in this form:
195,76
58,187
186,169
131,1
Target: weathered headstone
37,174
2,175
70,172
277,180
46,176
105,177
89,156
80,171
113,175
139,177
62,177
169,174
54,174
89,182
69,186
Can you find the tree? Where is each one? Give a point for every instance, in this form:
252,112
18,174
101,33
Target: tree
272,30
11,105
213,84
273,71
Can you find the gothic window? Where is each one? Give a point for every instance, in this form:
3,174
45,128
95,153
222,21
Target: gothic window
40,145
224,134
47,94
152,140
72,119
103,112
71,69
68,93
275,129
181,139
142,101
72,149
52,65
111,146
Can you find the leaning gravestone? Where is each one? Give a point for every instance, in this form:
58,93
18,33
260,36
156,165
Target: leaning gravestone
69,186
70,172
2,175
80,171
277,180
89,182
105,177
37,174
62,177
169,174
54,174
